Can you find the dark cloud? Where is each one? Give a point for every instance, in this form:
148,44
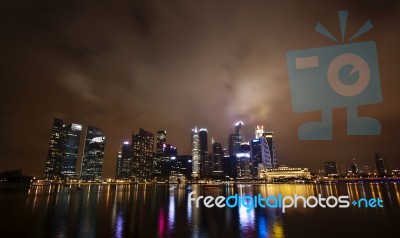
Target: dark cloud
173,65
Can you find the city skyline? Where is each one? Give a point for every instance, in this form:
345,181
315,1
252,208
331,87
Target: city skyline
167,66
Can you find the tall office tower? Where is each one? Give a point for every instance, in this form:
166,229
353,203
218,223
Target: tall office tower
203,154
234,144
170,153
161,140
229,166
92,162
217,155
259,131
71,150
243,161
56,153
380,164
161,165
119,166
196,164
142,154
184,165
333,168
269,136
239,130
123,164
259,154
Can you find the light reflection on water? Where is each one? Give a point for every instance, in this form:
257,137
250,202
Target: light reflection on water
164,211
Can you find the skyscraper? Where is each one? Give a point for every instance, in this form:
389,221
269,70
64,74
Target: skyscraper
234,144
243,161
142,154
380,164
239,130
217,155
333,168
161,164
259,131
260,154
269,136
196,164
92,162
203,153
236,139
56,153
123,161
73,132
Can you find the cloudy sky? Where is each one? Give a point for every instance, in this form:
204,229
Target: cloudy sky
173,65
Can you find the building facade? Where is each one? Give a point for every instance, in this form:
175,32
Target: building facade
142,155
93,155
56,152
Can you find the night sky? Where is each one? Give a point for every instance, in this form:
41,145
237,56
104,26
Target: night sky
172,65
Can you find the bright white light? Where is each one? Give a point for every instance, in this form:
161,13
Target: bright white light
238,123
243,155
173,157
126,142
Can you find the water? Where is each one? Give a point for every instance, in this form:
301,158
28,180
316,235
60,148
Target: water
164,211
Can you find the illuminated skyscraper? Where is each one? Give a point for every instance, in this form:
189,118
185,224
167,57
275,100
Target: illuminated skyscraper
142,159
234,142
195,153
217,156
239,130
56,153
269,136
92,162
161,164
259,131
123,161
380,164
72,149
203,153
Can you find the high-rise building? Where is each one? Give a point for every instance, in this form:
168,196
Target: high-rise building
229,166
217,155
234,143
184,165
243,161
333,168
171,154
203,153
119,166
56,153
195,153
259,131
380,164
73,132
123,164
269,137
354,167
92,162
259,155
161,140
239,130
161,164
142,155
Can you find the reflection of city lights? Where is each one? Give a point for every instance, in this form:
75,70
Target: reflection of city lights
119,225
161,223
246,220
171,212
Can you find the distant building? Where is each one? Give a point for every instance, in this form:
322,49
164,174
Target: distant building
283,172
196,163
234,142
380,164
229,166
217,155
243,164
239,130
354,167
93,155
333,168
56,152
124,160
203,153
73,132
259,131
142,155
269,137
161,164
184,165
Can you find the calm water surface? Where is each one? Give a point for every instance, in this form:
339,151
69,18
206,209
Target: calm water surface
164,211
